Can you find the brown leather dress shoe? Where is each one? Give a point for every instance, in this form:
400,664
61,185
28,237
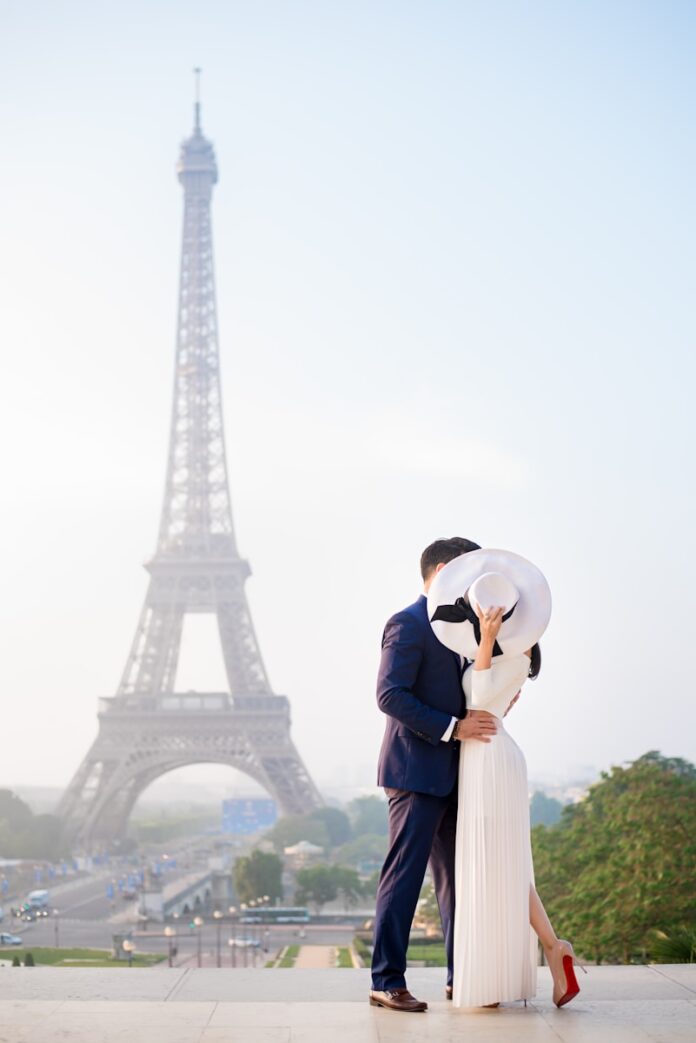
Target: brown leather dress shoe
397,999
448,992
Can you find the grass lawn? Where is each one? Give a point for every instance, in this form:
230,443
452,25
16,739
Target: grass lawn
78,957
433,955
290,956
344,959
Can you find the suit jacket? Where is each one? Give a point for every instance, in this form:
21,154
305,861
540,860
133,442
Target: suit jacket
419,688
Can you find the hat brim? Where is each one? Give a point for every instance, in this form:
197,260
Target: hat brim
526,624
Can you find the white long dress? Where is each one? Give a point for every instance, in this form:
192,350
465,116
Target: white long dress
495,949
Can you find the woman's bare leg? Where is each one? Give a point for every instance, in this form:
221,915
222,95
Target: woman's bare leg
556,951
540,921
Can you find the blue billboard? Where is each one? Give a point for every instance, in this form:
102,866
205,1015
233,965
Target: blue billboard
251,815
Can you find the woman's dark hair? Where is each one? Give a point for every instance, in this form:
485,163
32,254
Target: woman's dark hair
535,661
442,551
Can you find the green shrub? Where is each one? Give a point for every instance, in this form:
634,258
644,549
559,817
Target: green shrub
679,946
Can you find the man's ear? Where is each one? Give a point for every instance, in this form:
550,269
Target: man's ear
440,566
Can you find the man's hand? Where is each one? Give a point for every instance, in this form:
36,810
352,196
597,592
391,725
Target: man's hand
512,703
478,724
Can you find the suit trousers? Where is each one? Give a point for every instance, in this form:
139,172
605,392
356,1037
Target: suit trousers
422,829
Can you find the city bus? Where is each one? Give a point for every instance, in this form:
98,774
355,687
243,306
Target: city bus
275,914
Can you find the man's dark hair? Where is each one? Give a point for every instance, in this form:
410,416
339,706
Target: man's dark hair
444,551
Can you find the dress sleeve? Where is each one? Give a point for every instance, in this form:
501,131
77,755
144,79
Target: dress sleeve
482,688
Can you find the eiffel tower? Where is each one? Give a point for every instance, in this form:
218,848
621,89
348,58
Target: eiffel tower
147,728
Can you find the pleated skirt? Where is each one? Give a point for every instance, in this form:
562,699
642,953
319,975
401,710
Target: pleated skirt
495,949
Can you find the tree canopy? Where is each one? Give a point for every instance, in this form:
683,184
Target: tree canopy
290,830
324,883
25,835
337,824
317,886
256,875
619,868
368,815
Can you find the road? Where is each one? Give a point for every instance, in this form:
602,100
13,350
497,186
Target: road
92,933
85,910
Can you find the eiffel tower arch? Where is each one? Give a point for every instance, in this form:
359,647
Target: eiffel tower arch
147,729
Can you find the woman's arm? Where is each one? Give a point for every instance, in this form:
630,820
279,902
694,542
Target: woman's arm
490,621
482,677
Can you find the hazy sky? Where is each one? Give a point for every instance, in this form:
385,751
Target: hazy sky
455,264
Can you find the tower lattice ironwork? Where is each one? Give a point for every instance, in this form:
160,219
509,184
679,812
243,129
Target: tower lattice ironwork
148,728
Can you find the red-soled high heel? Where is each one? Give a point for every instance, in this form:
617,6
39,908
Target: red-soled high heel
561,962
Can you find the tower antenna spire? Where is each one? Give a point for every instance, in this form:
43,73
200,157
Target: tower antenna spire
197,107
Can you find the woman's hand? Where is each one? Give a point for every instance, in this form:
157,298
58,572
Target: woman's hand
490,621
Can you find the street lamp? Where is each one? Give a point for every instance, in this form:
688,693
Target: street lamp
217,916
233,940
198,923
253,927
56,934
129,947
170,933
266,933
243,907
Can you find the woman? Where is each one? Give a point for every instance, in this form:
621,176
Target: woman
495,951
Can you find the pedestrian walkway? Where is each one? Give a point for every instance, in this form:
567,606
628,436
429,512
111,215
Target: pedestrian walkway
316,957
162,1005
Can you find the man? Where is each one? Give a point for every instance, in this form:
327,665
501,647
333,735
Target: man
419,688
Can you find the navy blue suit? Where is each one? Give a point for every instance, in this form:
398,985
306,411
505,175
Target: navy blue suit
419,688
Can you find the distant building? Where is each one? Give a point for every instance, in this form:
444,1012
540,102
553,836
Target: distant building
245,816
302,854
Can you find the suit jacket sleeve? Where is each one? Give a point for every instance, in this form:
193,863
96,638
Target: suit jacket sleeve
402,652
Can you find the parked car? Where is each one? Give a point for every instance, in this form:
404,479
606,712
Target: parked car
10,939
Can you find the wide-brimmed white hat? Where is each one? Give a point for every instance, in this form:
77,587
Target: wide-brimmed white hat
489,578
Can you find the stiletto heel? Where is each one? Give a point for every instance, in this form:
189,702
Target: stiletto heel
561,962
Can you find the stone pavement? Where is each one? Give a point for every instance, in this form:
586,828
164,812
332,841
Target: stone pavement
162,1005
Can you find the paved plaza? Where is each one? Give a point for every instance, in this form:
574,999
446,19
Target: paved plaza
162,1005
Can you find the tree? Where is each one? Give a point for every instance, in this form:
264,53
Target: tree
366,848
291,830
368,815
25,835
13,810
619,866
369,886
348,885
543,810
256,875
337,824
316,885
427,910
